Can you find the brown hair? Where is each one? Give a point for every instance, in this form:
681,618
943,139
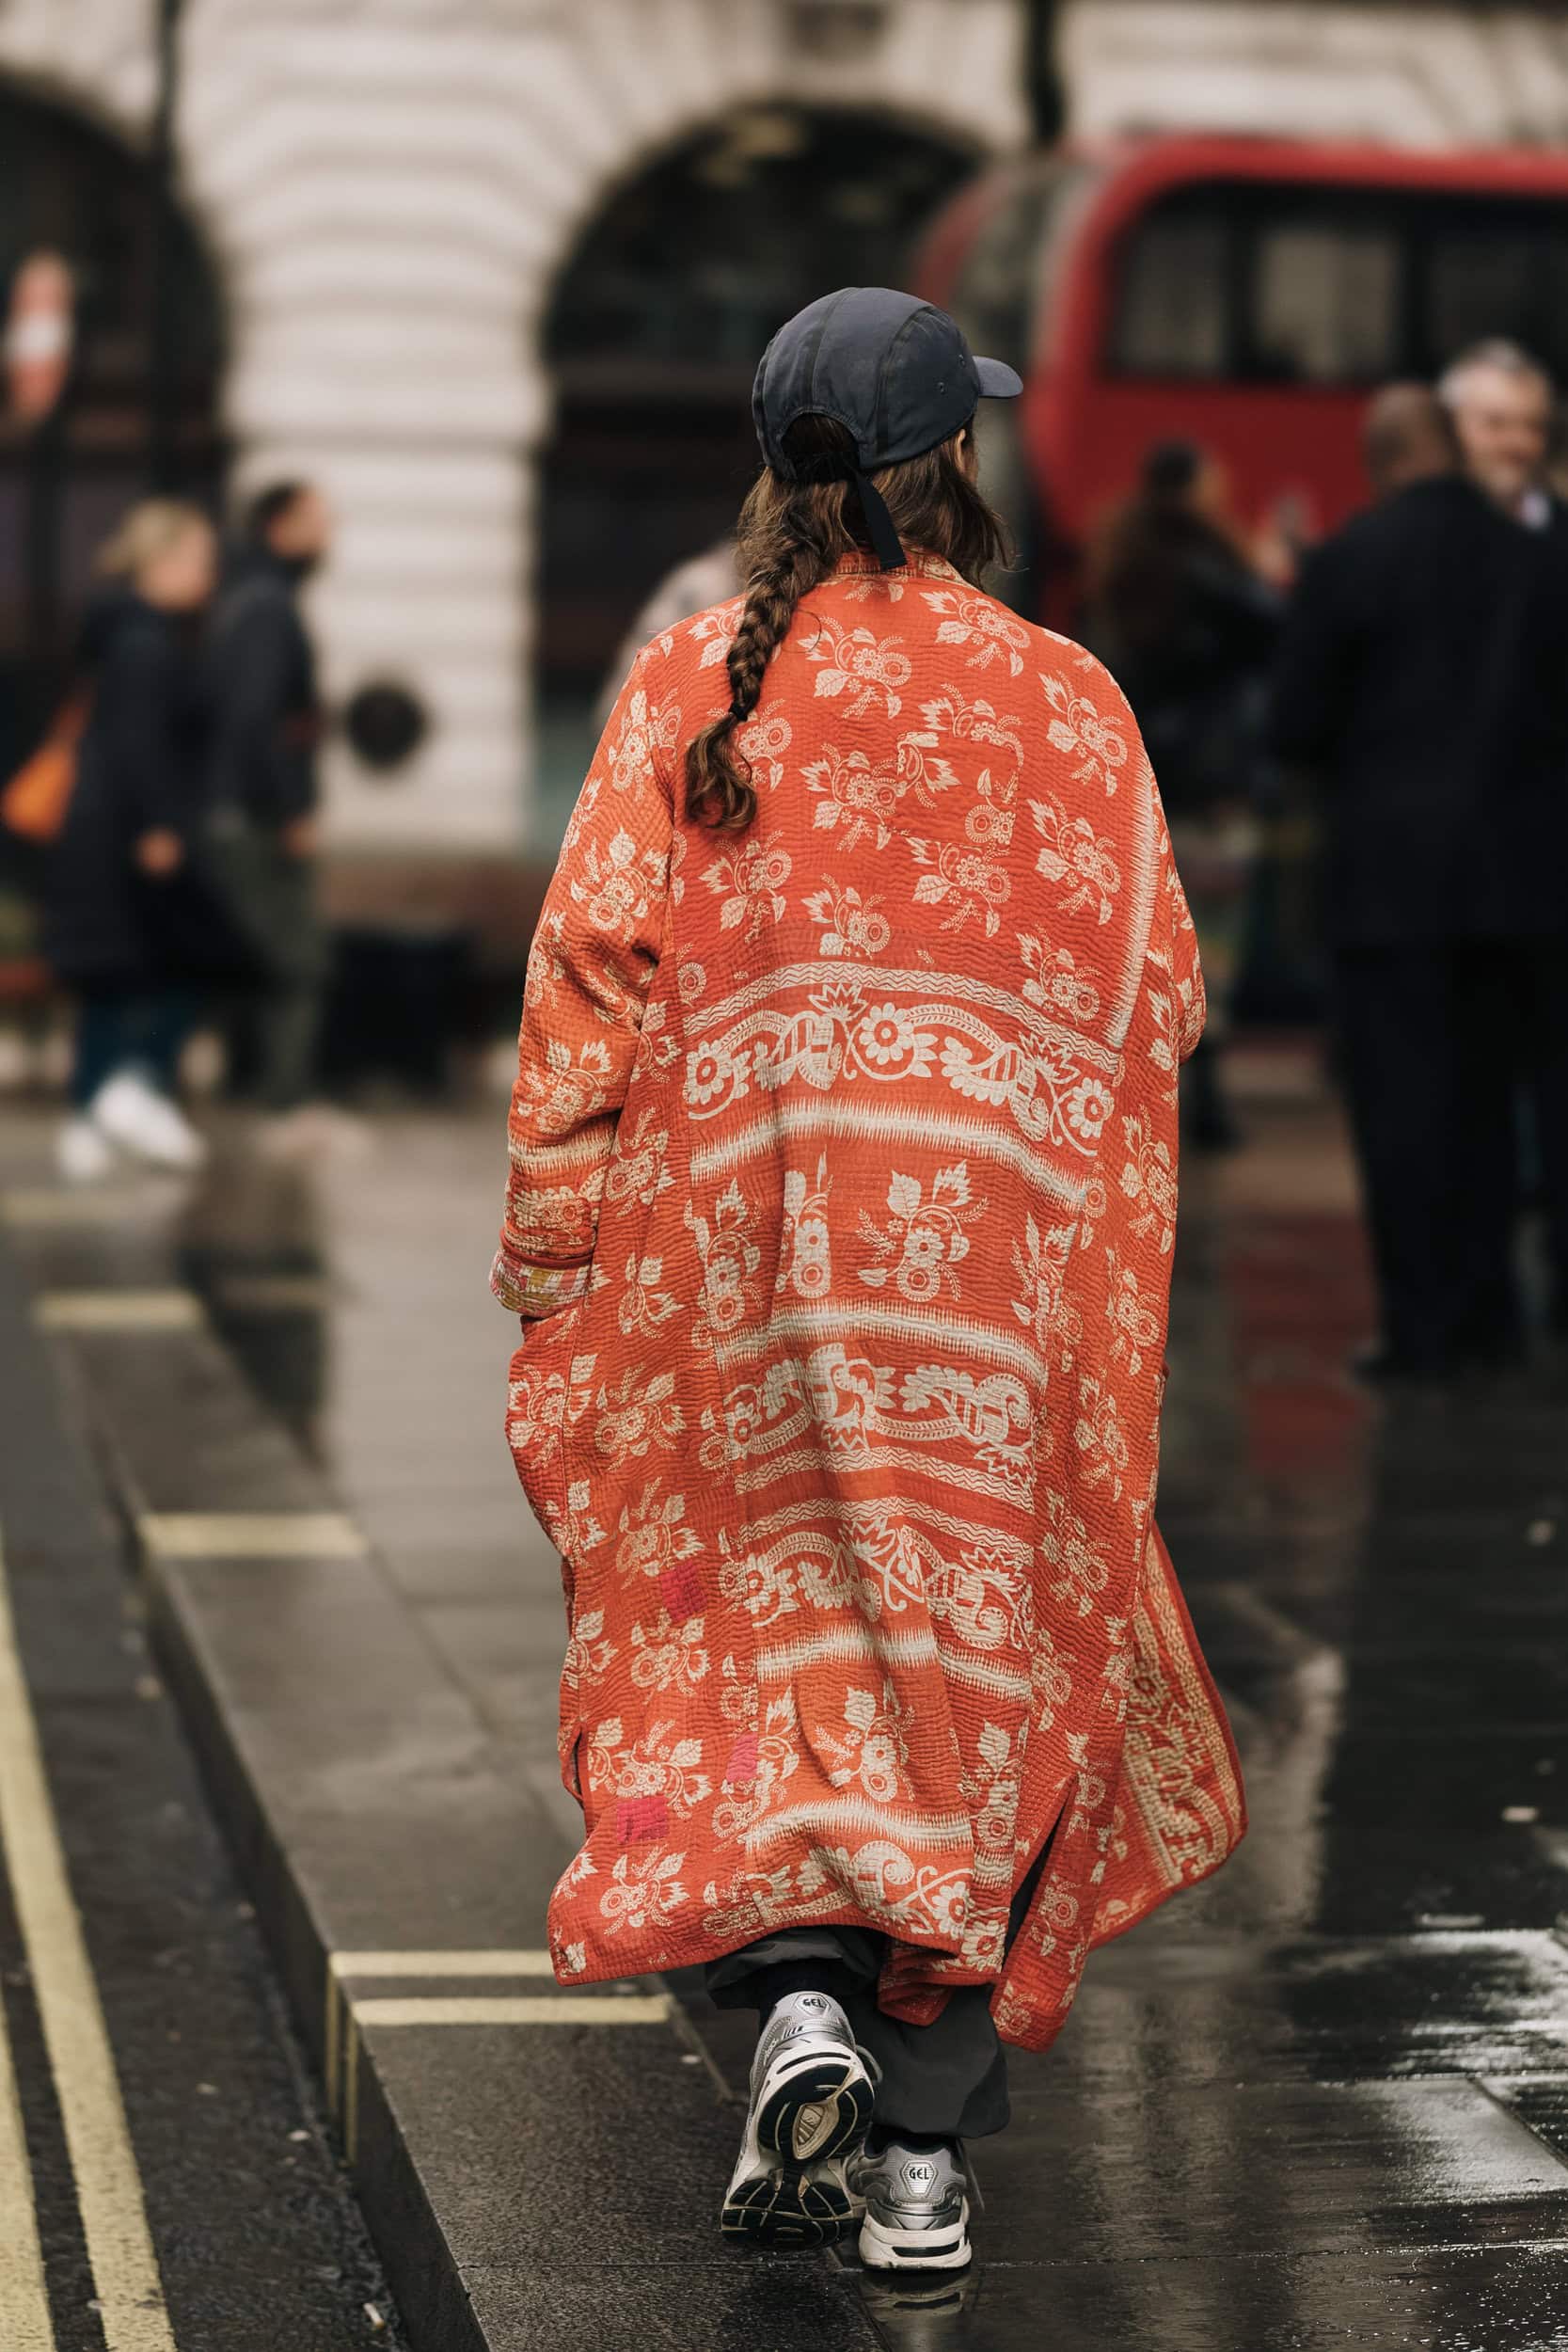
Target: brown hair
791,535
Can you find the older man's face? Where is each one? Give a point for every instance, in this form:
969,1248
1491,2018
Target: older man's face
1504,423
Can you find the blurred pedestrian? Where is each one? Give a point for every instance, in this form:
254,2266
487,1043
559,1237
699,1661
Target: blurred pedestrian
840,1217
693,584
1180,610
268,726
1421,679
118,920
1503,405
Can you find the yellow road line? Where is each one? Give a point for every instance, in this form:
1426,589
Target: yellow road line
119,1311
251,1535
274,1294
441,1965
108,1204
108,2189
24,2324
516,2008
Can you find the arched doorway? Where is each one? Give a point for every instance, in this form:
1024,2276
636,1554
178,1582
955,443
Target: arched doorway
653,335
68,189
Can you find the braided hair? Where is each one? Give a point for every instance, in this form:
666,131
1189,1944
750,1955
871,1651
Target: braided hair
791,535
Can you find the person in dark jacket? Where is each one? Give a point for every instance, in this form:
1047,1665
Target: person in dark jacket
1181,614
1422,680
267,721
119,890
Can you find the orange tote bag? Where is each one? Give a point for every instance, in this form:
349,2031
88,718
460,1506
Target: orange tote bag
35,801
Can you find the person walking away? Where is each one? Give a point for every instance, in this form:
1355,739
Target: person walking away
1421,680
264,794
1189,624
1503,403
839,1219
115,914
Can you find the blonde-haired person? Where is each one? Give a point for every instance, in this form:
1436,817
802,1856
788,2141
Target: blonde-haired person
840,1216
118,904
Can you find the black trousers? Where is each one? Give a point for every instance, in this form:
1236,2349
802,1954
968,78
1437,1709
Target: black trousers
1441,1044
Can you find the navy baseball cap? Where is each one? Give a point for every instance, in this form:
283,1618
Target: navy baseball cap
896,373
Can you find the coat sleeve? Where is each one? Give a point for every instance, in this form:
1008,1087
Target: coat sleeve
590,969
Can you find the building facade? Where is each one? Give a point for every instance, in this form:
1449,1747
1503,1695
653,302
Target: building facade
1408,73
390,193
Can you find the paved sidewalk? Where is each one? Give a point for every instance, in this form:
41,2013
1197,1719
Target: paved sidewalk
1323,2101
166,2182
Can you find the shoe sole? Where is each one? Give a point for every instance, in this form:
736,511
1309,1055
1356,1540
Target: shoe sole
814,2106
786,2208
883,2248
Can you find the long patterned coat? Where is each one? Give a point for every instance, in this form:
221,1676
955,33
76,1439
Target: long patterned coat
841,1199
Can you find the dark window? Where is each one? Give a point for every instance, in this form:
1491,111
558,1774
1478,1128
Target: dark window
67,187
1245,282
1492,269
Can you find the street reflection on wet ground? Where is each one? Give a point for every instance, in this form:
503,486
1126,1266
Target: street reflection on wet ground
1322,2100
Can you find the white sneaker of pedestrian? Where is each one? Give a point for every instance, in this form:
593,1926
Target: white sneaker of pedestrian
145,1123
917,2210
82,1154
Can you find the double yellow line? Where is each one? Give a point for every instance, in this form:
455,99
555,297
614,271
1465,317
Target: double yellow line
109,2187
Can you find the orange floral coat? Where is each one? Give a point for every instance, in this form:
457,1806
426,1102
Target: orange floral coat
841,1208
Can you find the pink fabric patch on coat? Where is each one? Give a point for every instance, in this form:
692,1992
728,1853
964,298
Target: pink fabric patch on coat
637,1818
682,1588
743,1765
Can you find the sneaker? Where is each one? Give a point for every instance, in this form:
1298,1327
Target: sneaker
811,2094
810,2099
782,2205
145,1123
82,1154
916,2208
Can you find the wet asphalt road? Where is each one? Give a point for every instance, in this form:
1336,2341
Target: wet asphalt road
260,2247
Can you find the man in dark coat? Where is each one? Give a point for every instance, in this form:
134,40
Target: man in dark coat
266,723
1421,679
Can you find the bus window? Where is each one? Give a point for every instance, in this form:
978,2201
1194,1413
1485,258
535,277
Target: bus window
1325,301
1506,274
1173,317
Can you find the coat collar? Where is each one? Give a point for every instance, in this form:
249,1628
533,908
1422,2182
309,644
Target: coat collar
860,561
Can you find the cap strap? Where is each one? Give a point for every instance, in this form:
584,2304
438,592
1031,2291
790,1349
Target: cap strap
890,554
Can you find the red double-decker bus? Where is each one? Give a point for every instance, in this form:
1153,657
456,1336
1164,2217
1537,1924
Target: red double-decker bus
1247,294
